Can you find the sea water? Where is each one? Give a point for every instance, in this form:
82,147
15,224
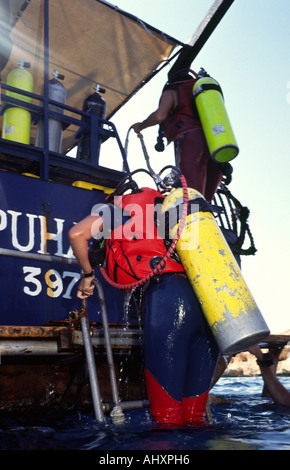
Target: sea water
243,420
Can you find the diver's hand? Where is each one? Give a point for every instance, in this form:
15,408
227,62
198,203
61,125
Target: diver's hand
86,288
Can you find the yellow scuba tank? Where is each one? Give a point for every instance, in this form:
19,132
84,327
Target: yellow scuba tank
17,121
215,277
214,119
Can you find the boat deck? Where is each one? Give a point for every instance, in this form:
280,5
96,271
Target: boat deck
46,365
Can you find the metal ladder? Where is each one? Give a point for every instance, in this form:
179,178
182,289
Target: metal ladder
117,412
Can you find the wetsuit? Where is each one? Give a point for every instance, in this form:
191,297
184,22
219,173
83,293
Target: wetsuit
180,352
191,151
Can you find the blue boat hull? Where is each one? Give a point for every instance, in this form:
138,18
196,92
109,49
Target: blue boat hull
39,274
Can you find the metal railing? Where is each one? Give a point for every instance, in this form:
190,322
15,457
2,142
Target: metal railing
79,119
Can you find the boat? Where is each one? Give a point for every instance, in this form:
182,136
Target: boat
55,58
45,190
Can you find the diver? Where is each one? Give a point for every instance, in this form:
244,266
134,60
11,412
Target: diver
180,351
179,118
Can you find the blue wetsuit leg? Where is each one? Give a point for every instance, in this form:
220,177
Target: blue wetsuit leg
180,352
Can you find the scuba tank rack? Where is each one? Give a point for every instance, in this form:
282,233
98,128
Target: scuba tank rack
42,161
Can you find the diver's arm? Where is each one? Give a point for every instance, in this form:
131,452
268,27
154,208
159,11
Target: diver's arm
79,235
275,389
167,102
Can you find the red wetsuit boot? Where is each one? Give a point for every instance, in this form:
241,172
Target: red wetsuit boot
194,408
163,407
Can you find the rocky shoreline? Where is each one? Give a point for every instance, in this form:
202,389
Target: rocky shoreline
244,364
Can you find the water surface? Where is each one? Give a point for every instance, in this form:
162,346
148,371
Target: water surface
245,421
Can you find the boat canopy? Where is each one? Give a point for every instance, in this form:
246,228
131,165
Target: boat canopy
90,42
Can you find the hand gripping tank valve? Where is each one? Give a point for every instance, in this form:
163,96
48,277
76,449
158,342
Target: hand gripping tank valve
16,119
96,105
214,119
215,277
56,92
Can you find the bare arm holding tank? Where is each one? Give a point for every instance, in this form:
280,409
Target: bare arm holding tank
272,385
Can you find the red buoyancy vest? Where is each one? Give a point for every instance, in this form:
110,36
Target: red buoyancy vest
133,245
182,118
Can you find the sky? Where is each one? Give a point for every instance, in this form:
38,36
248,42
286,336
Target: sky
248,54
